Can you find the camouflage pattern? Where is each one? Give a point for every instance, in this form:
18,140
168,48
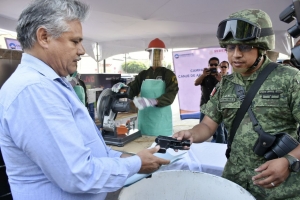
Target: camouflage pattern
160,72
261,19
276,107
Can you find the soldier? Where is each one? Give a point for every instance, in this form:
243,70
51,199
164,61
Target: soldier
247,35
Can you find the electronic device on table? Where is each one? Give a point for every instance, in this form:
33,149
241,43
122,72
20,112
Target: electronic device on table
109,104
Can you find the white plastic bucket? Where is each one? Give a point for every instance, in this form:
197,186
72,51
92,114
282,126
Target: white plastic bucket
184,185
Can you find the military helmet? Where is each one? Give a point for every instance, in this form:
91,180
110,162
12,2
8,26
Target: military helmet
249,26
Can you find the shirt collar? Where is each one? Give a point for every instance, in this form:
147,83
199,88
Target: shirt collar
44,69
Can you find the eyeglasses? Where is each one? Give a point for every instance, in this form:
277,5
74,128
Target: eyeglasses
241,30
223,66
213,65
242,47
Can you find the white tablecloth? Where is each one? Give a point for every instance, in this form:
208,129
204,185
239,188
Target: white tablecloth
210,157
203,157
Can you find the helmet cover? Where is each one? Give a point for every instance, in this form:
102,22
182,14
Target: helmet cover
259,18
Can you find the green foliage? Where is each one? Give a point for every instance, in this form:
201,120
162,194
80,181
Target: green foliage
134,67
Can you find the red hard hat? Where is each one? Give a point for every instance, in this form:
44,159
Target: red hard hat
156,43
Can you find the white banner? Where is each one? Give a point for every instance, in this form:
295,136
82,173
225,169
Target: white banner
188,65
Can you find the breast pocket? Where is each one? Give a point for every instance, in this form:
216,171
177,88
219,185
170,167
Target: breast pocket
229,109
276,107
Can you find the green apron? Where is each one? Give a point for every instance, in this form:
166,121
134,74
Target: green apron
80,93
155,120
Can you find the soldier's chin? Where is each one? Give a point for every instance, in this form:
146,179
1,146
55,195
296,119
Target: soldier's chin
240,70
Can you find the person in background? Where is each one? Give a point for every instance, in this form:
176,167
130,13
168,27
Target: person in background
224,66
157,87
50,145
79,87
208,81
276,112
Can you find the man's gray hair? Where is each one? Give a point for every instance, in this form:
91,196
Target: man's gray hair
52,15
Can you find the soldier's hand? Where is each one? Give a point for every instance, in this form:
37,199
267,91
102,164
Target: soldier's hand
272,173
184,135
151,163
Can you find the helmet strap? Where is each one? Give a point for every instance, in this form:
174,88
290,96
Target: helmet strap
258,59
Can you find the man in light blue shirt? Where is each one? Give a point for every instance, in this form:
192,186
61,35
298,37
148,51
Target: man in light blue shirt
51,147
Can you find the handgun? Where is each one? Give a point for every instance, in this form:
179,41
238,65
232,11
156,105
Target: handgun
168,142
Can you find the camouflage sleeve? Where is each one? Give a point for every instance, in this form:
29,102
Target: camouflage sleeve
295,97
171,90
211,108
135,85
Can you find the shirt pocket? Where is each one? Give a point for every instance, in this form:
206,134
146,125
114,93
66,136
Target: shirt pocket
229,109
271,107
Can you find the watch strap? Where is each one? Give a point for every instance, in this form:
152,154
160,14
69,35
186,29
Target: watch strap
291,160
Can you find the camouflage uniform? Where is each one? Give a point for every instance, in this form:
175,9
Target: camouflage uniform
276,106
159,73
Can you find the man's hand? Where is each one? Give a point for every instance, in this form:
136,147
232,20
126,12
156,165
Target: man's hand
142,102
184,135
199,80
206,72
116,87
151,163
272,173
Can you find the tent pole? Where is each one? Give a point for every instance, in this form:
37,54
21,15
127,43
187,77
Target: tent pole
125,64
104,66
98,58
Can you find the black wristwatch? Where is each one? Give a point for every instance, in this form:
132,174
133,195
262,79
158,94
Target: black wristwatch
294,163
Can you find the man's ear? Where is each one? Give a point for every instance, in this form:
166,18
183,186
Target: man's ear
42,37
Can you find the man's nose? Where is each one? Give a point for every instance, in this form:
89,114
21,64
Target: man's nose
237,52
81,50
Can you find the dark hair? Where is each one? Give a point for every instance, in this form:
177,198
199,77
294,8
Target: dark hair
225,62
214,58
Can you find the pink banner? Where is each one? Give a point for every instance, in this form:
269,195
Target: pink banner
188,65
